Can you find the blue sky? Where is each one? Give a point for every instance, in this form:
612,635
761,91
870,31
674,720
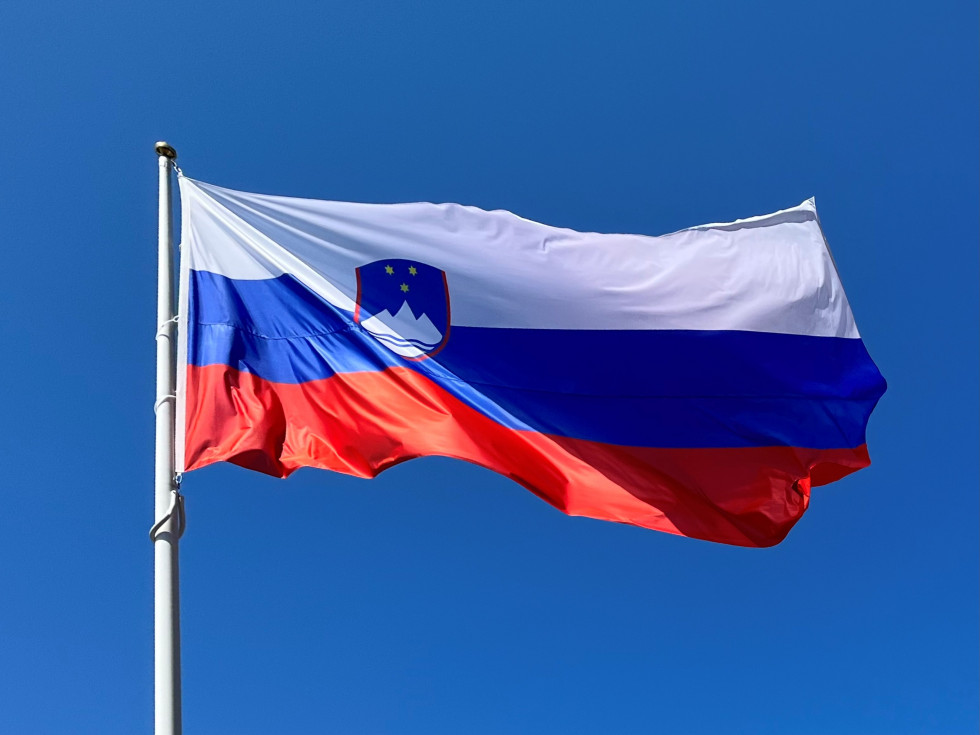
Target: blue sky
440,598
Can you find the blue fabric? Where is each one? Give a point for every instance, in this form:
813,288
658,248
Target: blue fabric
656,388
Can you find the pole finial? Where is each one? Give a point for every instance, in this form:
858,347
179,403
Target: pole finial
163,148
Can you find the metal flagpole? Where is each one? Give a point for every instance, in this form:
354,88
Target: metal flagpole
168,514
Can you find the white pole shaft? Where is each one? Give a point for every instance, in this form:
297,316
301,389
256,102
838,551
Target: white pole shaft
166,589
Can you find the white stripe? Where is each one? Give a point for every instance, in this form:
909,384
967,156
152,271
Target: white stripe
770,274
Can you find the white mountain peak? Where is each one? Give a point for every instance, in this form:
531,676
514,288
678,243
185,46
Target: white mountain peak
404,333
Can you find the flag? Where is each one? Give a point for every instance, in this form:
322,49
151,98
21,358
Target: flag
698,383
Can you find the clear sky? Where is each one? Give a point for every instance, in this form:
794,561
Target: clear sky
441,598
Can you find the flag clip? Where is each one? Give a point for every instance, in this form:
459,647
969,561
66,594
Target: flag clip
164,329
163,399
174,513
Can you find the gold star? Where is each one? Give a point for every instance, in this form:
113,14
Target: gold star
389,270
412,270
404,288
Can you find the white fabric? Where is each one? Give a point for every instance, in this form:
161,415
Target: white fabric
770,274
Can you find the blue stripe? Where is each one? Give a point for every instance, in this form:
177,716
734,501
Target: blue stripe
658,388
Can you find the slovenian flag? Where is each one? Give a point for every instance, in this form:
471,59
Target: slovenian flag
698,383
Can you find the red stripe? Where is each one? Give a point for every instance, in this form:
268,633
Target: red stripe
363,423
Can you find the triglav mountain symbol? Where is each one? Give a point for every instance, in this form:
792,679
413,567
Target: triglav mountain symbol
404,333
404,305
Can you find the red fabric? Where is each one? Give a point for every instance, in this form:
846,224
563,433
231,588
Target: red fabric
363,423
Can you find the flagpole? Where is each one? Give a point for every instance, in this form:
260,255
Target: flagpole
168,512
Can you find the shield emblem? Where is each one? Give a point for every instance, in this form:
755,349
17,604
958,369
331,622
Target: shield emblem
404,305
